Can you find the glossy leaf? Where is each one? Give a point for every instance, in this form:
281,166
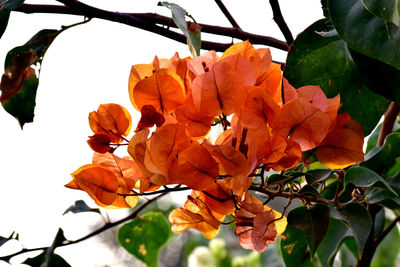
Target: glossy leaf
363,177
293,247
337,232
365,33
385,154
192,32
143,237
80,206
317,175
358,220
6,7
313,222
380,77
388,10
326,61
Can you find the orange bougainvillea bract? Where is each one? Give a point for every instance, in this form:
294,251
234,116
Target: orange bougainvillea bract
264,124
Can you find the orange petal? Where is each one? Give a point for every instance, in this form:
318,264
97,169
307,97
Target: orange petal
193,167
164,90
99,182
341,148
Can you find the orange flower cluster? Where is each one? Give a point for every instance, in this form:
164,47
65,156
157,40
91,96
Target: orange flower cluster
266,124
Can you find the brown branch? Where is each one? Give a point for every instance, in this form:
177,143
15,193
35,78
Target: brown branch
154,23
94,233
163,191
387,125
387,230
227,14
280,21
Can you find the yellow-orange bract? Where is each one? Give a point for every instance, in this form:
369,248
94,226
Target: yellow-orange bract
265,124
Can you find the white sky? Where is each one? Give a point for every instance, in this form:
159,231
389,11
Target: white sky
84,67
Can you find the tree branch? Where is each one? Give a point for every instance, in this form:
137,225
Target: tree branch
387,125
94,233
280,21
387,230
227,14
153,23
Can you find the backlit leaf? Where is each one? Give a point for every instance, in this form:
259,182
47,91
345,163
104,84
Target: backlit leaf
144,235
293,247
388,10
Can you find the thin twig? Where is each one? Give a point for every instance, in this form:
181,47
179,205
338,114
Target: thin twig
166,190
227,14
94,233
280,21
154,23
387,125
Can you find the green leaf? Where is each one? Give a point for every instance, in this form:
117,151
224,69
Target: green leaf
143,236
19,83
22,105
363,177
384,155
80,206
346,257
380,77
388,10
337,232
6,6
192,32
388,250
293,247
365,33
313,222
55,260
357,218
326,61
318,175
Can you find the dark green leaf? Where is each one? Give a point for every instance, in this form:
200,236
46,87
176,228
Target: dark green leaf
388,10
22,105
309,190
80,206
19,83
383,155
387,252
326,61
313,222
365,33
329,246
143,236
318,175
380,77
357,218
293,247
347,257
381,196
6,6
192,32
55,260
278,178
363,177
379,222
